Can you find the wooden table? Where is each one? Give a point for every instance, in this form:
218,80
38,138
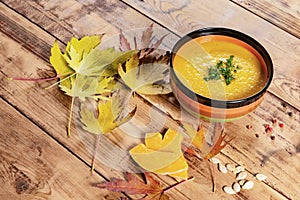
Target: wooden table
39,161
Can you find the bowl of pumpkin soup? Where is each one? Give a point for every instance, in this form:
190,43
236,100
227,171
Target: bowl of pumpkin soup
219,73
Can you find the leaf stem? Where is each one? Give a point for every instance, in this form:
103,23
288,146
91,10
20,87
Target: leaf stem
95,152
51,86
32,79
213,173
178,183
70,117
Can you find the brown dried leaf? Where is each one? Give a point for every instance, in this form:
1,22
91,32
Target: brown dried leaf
135,186
124,44
146,76
158,196
147,37
132,185
148,50
219,144
162,58
156,45
145,45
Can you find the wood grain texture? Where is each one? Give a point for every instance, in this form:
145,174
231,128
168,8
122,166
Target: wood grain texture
51,121
49,109
52,115
34,166
282,13
182,17
253,147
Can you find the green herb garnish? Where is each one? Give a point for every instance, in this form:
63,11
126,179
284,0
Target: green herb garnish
223,69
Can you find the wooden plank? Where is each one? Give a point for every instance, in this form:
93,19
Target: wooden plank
184,16
52,114
200,170
69,18
195,166
34,166
275,158
54,121
282,13
284,85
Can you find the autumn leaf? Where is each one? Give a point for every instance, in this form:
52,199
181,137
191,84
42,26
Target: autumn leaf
85,71
122,58
147,37
196,136
146,45
58,61
78,49
197,145
120,103
194,142
106,119
219,144
161,154
124,44
84,57
104,122
87,87
135,186
149,78
67,63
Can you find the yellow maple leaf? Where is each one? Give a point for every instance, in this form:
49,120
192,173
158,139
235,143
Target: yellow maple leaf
197,136
146,78
104,122
78,49
58,61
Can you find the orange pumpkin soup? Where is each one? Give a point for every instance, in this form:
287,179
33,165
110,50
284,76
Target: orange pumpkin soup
195,59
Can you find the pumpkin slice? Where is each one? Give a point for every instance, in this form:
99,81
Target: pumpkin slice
161,154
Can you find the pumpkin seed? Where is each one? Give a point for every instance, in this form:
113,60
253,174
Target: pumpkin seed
248,185
239,169
230,167
242,182
242,175
260,177
228,190
215,160
236,187
222,168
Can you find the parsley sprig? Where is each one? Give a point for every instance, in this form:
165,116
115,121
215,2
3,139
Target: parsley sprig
223,69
